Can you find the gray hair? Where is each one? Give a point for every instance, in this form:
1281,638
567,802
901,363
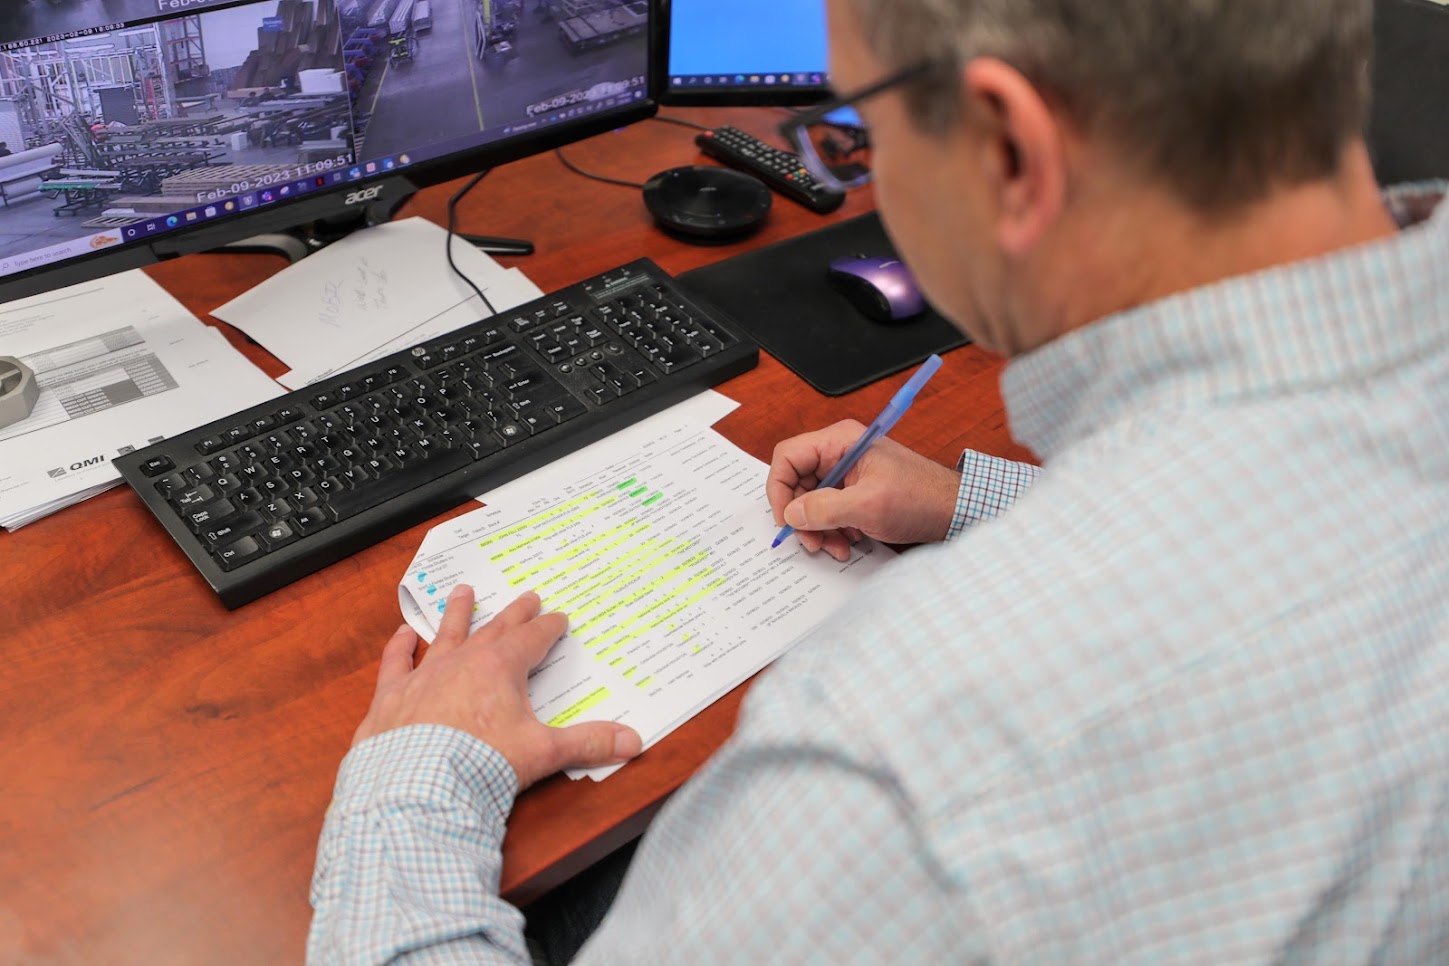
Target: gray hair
1219,99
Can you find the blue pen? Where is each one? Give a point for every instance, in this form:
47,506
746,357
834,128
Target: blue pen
888,417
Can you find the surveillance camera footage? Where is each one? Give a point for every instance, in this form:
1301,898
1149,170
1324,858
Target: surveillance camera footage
117,123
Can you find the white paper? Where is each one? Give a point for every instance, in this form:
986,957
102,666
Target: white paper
507,290
697,412
659,552
120,364
388,286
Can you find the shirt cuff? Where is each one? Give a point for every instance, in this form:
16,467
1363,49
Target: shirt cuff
989,485
429,765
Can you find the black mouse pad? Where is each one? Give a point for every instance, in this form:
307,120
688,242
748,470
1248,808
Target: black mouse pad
779,295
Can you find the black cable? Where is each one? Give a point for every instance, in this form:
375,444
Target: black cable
681,122
452,232
620,181
596,177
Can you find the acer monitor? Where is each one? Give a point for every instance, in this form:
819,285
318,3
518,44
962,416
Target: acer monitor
138,130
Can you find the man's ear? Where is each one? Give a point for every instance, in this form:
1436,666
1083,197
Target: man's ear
1024,158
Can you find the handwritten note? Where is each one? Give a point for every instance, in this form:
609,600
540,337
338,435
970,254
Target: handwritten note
384,288
363,290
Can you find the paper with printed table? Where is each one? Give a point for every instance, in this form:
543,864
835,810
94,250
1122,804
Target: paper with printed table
656,544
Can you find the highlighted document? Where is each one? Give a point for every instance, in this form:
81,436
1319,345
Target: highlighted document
656,544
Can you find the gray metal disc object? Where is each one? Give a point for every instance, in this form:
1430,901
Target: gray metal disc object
18,390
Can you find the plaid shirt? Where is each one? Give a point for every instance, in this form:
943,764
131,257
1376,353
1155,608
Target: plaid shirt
1188,701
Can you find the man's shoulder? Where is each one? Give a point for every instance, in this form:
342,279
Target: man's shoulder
1152,556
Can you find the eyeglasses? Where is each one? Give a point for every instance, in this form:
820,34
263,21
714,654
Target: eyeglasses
812,135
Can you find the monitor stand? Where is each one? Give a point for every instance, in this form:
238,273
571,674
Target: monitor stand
295,244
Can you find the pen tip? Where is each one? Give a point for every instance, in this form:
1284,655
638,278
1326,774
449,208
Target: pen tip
776,542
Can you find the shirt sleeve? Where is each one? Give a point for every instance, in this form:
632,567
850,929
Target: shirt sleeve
989,484
783,850
409,861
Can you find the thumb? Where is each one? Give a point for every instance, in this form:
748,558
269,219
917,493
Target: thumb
595,743
397,657
827,509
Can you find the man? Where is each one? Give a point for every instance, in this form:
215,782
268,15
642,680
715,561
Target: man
1185,700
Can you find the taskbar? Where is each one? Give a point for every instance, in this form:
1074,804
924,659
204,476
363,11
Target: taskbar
286,185
330,173
776,79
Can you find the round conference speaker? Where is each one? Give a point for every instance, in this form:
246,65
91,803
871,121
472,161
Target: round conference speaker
706,203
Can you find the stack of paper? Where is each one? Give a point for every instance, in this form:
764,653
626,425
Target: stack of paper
656,544
371,294
120,364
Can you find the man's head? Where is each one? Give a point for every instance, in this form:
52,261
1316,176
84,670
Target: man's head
1055,127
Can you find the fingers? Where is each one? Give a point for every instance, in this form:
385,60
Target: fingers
529,643
523,609
457,617
521,632
836,544
800,462
397,656
593,744
782,486
831,509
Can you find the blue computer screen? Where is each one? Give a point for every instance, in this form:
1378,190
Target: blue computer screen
747,44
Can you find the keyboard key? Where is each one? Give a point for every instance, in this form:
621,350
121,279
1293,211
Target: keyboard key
343,504
172,483
209,515
237,525
194,497
199,473
566,409
310,521
510,431
274,536
158,464
237,553
278,509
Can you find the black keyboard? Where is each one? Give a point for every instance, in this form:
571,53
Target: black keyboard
270,494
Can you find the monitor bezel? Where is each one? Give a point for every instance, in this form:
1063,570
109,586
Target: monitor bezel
777,96
312,206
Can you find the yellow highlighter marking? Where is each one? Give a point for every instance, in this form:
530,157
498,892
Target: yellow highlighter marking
578,707
533,521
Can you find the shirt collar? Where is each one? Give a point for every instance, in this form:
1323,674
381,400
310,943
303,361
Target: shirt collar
1340,317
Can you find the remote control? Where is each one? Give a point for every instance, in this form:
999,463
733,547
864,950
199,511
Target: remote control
779,169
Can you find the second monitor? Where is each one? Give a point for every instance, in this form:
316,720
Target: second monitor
746,52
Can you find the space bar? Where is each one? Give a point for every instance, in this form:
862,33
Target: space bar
349,503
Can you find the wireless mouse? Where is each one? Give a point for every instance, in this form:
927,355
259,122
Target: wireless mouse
880,287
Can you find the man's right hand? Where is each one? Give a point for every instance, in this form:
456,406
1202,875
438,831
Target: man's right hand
892,494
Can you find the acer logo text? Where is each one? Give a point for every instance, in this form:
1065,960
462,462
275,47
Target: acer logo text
366,194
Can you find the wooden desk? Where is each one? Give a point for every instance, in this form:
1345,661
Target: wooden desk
165,764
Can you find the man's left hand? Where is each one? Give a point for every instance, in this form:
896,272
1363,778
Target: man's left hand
478,683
